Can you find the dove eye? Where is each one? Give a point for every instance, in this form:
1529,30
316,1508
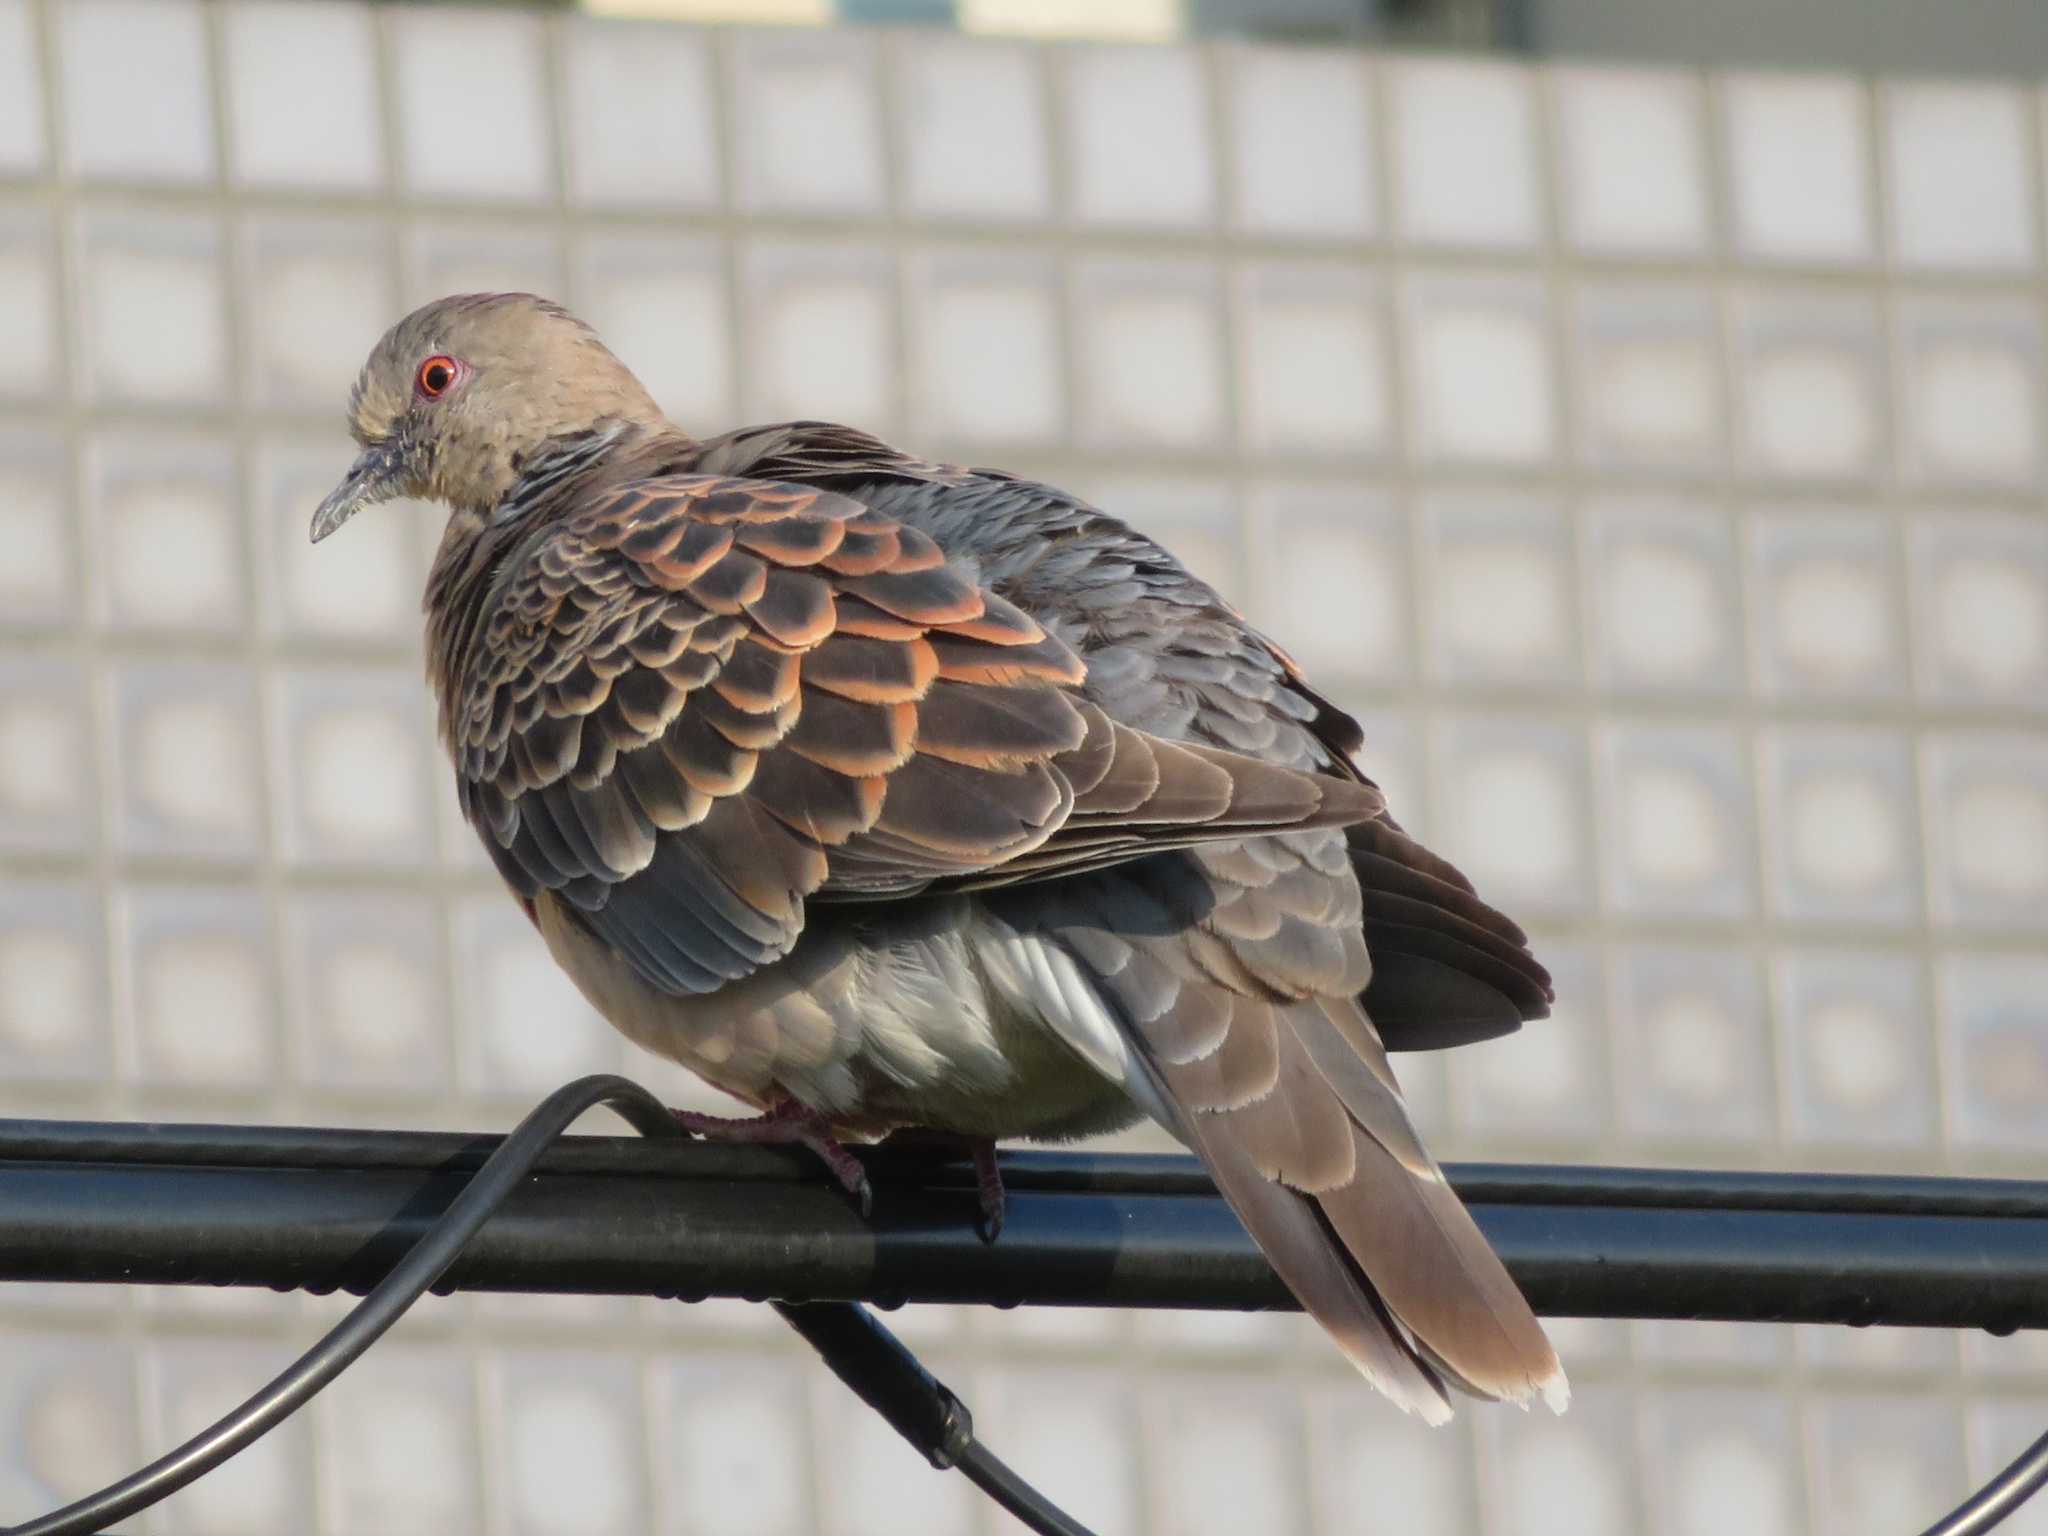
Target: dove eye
434,377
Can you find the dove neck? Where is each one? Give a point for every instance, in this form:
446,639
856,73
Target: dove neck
553,479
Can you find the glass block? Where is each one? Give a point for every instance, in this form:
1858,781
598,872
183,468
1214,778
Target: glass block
1876,1351
472,109
1500,589
723,1427
2022,1354
133,82
31,359
353,768
36,528
1332,580
986,361
1664,596
1717,1463
1632,161
1549,1080
810,139
572,1443
1302,134
1312,350
1072,1431
1584,1340
1960,176
1541,1475
879,1485
1969,377
1980,600
660,303
1798,167
971,120
1752,1346
1854,1039
1465,169
1510,807
821,334
188,760
1138,137
1995,1050
1480,384
48,776
1825,604
302,97
1225,1454
363,587
53,983
397,1437
1383,1473
67,1417
525,1027
639,115
1189,1336
22,149
166,533
481,258
1692,1045
1648,376
1151,355
1809,365
153,320
317,294
369,1005
1877,1456
1987,813
1679,832
1840,841
262,1490
196,964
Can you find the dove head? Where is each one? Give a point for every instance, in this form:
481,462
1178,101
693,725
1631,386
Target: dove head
460,393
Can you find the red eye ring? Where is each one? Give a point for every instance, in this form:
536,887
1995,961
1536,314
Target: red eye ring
436,374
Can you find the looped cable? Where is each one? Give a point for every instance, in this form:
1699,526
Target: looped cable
860,1351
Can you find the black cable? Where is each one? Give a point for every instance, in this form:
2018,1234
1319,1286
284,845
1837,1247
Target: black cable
860,1351
994,1477
2005,1493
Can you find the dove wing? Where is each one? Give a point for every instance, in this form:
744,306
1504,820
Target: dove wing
700,702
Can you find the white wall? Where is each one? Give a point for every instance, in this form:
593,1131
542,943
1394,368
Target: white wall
1653,461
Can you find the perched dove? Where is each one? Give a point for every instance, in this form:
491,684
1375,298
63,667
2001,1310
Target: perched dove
890,795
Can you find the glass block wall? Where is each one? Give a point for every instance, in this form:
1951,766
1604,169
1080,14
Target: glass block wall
1654,462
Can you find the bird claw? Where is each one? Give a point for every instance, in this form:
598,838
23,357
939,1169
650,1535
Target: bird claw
988,1181
988,1174
788,1124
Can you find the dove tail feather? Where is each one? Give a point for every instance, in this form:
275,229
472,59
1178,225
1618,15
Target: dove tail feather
1381,1251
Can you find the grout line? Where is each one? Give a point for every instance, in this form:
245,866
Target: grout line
1434,700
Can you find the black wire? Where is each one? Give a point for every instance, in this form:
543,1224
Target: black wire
1989,1505
864,1354
994,1477
858,1349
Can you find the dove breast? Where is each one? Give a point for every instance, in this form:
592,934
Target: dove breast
930,1013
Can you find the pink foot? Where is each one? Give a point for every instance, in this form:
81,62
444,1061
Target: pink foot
787,1124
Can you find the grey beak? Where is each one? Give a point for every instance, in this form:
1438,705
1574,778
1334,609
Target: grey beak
375,476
